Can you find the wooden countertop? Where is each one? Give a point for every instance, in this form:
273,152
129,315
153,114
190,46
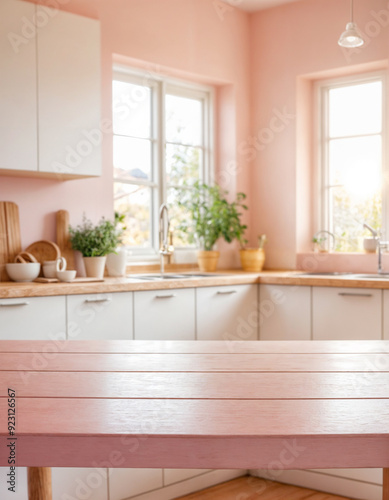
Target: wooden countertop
221,278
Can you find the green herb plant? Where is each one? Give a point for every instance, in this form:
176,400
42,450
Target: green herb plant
99,240
211,216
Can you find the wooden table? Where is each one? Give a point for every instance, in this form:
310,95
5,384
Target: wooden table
249,405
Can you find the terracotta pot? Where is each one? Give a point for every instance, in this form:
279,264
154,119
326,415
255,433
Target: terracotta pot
207,260
94,266
252,259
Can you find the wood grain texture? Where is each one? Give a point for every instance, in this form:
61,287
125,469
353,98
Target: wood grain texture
63,240
187,362
385,486
199,347
13,230
39,483
235,386
253,488
44,250
199,410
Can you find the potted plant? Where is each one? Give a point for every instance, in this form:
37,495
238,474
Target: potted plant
95,243
211,217
253,259
117,261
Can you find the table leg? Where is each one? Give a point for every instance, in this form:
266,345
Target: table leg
385,492
39,483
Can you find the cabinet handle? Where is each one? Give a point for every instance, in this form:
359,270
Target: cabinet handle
349,294
165,296
227,292
25,303
97,300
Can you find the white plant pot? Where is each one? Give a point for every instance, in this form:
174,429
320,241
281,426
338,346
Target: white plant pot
116,263
94,266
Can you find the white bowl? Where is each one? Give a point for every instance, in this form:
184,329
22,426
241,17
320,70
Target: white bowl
23,272
66,275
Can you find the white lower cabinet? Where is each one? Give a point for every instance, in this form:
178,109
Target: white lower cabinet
346,313
72,483
125,483
171,476
33,318
284,312
164,314
385,315
100,316
227,312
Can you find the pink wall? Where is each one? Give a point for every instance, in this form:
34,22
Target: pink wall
187,36
290,45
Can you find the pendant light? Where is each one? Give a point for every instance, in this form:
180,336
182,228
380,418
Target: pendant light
352,36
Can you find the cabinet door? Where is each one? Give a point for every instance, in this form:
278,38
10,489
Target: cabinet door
18,103
100,316
125,483
33,318
346,313
284,312
73,483
227,312
385,315
69,93
164,314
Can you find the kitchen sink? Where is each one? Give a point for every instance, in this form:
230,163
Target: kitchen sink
160,277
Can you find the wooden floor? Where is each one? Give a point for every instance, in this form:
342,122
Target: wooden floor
252,488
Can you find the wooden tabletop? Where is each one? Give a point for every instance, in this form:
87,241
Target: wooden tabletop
197,404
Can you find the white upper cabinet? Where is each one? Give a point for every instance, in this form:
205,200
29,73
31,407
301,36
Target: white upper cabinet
18,88
227,313
50,95
346,313
69,93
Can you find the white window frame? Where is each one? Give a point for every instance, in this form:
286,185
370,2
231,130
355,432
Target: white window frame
160,86
321,178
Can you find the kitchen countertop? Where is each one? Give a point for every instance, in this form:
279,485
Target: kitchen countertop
220,278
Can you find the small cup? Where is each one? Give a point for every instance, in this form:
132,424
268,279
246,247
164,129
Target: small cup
50,268
66,275
370,245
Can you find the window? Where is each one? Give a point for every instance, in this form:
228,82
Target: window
161,144
352,139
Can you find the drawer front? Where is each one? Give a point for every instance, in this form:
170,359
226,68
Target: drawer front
346,313
100,316
164,315
284,312
33,318
227,313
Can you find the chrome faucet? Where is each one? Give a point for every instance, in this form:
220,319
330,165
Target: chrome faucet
164,247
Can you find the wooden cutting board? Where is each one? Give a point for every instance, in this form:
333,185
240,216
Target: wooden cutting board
44,250
63,240
10,241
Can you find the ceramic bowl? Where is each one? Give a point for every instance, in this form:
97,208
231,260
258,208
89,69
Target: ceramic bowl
66,275
23,272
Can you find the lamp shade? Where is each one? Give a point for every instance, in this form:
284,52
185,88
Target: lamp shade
351,37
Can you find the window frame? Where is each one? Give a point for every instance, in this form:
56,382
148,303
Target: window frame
160,86
321,126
